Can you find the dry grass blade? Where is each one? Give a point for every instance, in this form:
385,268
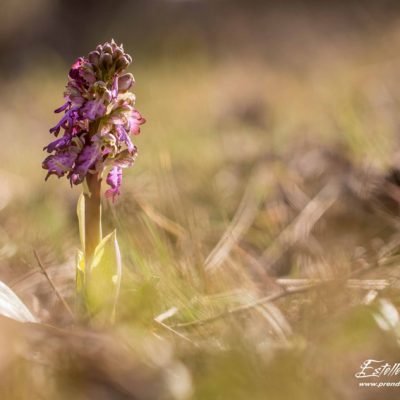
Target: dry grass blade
276,320
56,291
367,284
243,218
178,334
300,228
161,220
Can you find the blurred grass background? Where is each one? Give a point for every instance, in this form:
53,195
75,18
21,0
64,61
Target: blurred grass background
270,160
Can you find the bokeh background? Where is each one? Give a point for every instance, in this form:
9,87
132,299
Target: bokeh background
269,161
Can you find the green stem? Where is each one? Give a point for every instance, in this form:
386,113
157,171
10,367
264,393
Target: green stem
93,233
92,230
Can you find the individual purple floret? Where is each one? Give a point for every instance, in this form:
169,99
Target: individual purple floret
114,180
99,118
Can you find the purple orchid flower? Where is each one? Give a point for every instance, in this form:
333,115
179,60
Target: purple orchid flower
86,160
123,136
58,144
58,164
63,107
98,121
94,109
114,180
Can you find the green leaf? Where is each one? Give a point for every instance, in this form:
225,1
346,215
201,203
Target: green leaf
12,307
104,278
80,271
80,290
80,211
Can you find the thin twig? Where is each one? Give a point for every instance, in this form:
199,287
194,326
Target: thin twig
272,297
51,282
246,307
380,261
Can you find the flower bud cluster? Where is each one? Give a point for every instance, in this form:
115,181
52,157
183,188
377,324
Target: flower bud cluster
99,118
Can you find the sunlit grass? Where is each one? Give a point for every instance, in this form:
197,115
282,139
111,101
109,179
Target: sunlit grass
232,155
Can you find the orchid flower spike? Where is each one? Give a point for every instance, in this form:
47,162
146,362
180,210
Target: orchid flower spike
98,121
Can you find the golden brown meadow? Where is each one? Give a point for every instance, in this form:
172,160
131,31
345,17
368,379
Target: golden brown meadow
259,227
